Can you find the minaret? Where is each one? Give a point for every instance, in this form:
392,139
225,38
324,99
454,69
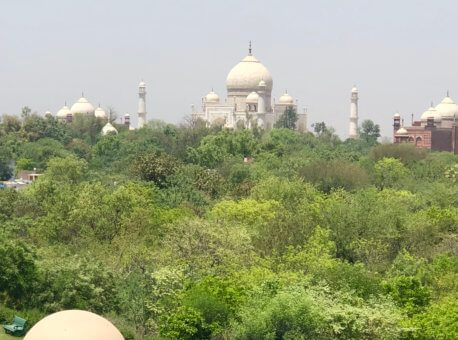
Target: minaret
262,99
353,131
141,104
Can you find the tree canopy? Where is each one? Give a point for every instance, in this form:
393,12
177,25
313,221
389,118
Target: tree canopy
194,232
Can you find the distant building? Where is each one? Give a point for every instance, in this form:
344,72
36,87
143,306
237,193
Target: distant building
249,99
437,128
28,175
83,106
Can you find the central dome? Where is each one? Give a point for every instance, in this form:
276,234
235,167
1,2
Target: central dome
447,108
82,106
246,75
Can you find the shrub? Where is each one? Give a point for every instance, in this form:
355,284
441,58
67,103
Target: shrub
329,175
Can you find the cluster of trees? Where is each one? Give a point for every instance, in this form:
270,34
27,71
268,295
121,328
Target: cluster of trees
167,231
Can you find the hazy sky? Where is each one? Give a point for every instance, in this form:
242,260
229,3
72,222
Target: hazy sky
401,54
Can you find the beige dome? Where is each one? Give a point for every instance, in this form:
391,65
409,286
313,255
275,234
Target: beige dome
109,129
74,325
401,131
447,108
252,98
63,112
100,113
212,97
431,112
397,115
286,99
354,90
82,106
246,75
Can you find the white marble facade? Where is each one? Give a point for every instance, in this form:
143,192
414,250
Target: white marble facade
249,99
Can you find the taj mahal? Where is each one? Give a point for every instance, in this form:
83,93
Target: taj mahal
249,99
249,103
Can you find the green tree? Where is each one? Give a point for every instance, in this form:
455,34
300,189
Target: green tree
369,131
389,172
18,272
155,167
319,128
288,119
6,172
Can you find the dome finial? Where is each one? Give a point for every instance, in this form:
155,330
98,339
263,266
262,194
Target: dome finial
82,93
249,48
448,95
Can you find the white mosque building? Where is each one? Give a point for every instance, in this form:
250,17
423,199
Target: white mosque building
249,99
83,106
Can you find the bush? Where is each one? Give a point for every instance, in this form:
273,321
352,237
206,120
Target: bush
329,175
18,272
31,315
406,153
155,167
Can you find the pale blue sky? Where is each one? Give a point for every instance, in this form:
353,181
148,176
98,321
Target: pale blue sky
401,54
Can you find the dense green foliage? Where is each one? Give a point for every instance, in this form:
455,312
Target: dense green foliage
169,233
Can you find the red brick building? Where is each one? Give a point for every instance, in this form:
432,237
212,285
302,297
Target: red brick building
436,130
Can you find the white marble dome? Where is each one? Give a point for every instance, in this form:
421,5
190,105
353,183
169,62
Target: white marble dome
447,108
100,113
82,106
74,325
212,97
63,112
109,129
286,99
246,75
252,98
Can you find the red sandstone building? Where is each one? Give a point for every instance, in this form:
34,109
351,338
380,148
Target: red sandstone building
436,130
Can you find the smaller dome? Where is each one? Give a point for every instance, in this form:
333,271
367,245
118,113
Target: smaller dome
109,129
354,90
262,83
142,84
100,113
252,98
397,115
286,99
63,112
401,131
431,112
48,113
212,97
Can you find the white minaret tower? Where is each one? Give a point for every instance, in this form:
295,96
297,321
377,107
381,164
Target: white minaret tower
353,131
262,99
141,104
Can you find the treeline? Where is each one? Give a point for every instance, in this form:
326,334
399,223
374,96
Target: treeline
189,232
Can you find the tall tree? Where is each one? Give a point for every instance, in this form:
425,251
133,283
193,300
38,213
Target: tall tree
319,128
288,119
369,131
